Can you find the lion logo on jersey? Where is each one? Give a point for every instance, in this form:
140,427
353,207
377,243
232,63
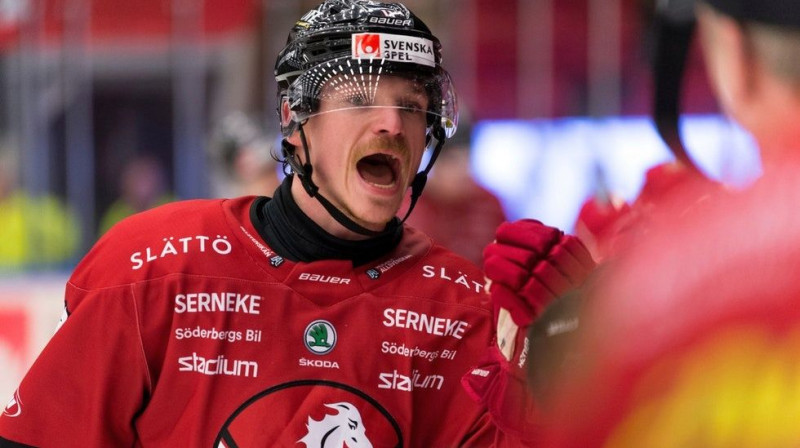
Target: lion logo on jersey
14,407
343,429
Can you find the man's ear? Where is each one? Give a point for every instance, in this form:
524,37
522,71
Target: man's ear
288,120
294,139
729,59
741,68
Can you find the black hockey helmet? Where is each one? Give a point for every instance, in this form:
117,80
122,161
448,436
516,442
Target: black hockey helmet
357,41
785,13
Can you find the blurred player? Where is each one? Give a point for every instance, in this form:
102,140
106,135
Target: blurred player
692,338
245,156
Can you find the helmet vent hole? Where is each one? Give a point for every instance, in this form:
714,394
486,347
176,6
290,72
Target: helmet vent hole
334,10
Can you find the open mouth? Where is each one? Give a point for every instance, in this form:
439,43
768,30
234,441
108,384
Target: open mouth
380,170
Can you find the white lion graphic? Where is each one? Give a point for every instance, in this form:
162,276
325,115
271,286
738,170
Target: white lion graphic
343,429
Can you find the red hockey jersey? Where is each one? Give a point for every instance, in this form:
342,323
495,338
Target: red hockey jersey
185,329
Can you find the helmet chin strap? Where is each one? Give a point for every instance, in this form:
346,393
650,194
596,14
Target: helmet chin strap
305,171
418,184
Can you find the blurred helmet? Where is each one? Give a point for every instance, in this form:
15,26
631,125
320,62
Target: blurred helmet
237,133
784,13
340,50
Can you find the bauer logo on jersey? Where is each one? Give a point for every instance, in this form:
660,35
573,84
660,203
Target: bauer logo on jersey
320,337
393,47
319,278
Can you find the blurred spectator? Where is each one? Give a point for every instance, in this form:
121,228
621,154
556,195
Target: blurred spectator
143,185
244,154
35,231
455,210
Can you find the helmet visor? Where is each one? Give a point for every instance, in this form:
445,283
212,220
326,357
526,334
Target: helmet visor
422,91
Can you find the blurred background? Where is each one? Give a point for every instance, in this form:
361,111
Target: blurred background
108,107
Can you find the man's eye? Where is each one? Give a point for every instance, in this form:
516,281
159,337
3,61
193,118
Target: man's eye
412,106
358,100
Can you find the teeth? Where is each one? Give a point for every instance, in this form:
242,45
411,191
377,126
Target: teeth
385,187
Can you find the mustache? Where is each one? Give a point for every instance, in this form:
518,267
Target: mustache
396,144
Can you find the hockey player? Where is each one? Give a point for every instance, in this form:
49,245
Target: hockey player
691,339
314,318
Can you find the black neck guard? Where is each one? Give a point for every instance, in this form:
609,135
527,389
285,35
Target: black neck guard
294,236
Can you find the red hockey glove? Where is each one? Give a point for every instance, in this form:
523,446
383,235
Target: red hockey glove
530,264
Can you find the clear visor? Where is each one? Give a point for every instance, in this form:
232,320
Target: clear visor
357,85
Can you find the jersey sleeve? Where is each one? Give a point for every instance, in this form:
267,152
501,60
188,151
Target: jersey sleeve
89,382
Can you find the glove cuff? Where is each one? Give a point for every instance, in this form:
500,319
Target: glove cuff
505,394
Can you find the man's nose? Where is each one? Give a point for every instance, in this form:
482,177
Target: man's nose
387,120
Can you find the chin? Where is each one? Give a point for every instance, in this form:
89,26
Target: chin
376,224
376,209
374,221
